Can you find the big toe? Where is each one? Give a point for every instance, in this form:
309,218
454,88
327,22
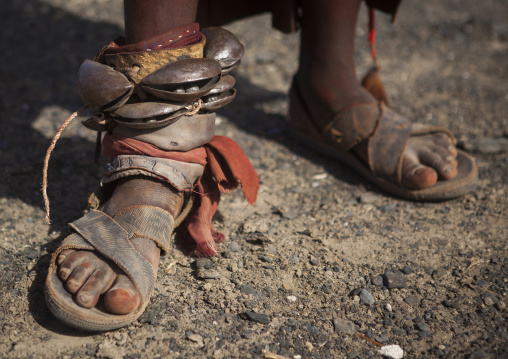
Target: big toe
417,176
122,298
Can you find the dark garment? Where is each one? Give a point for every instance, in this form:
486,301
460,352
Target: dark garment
285,13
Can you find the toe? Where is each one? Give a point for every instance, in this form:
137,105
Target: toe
96,284
68,262
441,160
417,176
123,297
79,276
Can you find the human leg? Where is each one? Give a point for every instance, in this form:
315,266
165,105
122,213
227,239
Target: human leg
155,134
327,81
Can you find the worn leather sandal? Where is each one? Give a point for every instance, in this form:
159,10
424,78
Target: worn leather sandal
385,134
111,237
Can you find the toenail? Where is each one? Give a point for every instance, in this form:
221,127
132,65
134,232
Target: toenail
84,298
447,168
64,272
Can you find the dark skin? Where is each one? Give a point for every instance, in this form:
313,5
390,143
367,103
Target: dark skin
327,79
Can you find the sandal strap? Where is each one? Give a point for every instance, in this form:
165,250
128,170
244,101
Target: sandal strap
112,240
147,222
347,129
387,144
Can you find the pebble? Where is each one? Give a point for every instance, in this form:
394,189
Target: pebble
257,317
412,300
392,351
500,305
390,207
489,299
235,247
204,263
453,302
368,198
366,298
291,298
394,280
422,326
407,270
388,307
439,273
377,281
207,274
196,338
486,145
399,331
346,326
482,283
314,261
246,289
266,258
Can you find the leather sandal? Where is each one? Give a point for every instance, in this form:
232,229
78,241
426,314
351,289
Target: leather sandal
111,237
385,135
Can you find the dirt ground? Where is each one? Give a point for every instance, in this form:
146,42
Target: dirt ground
317,257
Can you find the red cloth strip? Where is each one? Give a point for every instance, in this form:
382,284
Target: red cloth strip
226,168
115,144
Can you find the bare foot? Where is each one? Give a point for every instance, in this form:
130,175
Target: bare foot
88,275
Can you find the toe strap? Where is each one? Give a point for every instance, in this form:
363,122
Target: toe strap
112,241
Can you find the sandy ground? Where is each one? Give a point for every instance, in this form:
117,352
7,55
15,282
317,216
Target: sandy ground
315,257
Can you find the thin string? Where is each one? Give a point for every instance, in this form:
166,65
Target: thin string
193,109
48,154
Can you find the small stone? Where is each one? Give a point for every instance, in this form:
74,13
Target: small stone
441,347
394,280
207,274
257,317
412,300
247,334
368,198
346,326
204,263
478,354
196,338
422,326
423,334
366,298
482,283
399,331
392,351
439,273
500,305
377,281
453,302
489,298
291,298
486,145
488,301
291,214
390,207
314,261
235,247
266,258
407,270
388,307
